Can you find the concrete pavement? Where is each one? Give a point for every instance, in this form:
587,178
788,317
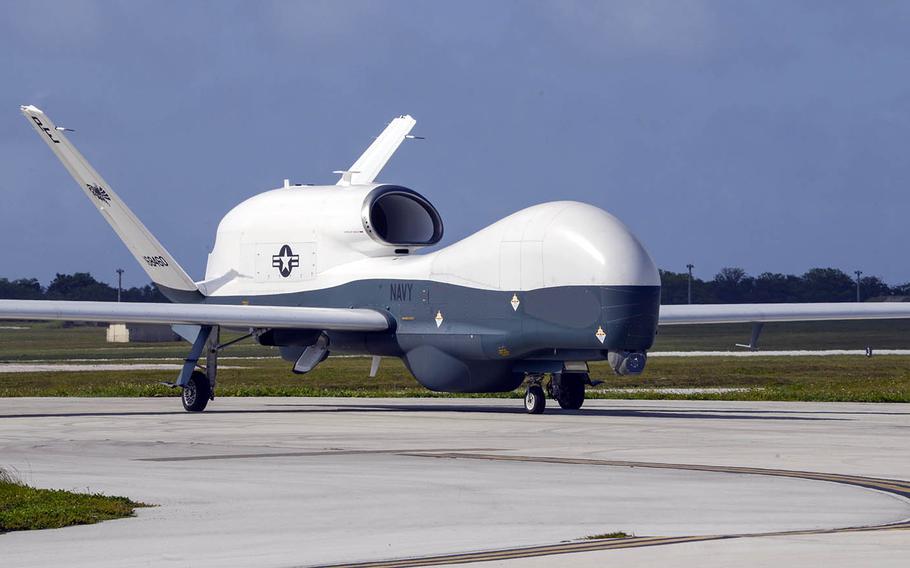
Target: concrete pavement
298,482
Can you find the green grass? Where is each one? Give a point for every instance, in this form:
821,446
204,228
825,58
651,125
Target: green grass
54,341
50,341
27,508
880,334
882,378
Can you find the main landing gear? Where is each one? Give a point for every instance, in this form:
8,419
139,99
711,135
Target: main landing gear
198,382
197,392
566,388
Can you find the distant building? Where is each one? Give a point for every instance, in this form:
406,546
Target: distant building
140,333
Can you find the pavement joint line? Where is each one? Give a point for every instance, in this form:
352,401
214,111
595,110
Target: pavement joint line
528,552
308,453
891,486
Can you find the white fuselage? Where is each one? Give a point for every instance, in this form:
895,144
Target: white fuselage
561,243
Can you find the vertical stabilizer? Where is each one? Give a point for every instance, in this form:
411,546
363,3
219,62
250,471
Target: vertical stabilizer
371,162
154,259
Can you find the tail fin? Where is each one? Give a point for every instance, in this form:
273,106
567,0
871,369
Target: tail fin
374,158
164,271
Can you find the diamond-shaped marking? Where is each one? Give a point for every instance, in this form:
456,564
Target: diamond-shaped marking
439,318
600,334
515,303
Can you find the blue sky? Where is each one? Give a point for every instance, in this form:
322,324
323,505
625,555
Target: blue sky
767,135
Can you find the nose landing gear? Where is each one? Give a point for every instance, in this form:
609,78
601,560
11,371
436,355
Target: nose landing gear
535,401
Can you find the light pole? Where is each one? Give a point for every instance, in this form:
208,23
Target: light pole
690,267
119,282
858,274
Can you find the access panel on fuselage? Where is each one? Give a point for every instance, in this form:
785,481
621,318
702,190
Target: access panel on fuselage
285,261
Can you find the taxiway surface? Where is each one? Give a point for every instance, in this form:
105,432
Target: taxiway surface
301,482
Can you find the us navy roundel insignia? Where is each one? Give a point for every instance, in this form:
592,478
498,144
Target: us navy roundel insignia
285,261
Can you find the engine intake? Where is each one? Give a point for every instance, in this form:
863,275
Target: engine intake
398,216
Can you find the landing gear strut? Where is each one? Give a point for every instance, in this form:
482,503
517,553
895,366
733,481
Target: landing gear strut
198,383
568,389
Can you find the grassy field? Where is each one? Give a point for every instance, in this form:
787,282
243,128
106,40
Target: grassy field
26,508
881,334
52,340
883,378
49,341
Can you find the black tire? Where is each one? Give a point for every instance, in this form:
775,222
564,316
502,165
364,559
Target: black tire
535,401
197,392
569,390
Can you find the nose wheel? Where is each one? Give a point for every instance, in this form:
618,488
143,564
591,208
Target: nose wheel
535,401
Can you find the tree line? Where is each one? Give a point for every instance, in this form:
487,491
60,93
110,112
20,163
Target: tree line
77,286
734,286
729,286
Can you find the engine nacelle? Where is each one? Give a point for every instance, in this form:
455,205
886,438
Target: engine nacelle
296,232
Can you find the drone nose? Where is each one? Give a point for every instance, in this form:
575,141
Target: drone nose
588,246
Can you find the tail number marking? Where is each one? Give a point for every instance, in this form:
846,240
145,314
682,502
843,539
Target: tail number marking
155,261
45,129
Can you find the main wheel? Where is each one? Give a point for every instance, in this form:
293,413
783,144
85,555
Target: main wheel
569,389
197,392
535,401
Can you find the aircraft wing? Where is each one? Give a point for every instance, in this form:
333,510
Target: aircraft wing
692,314
287,317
